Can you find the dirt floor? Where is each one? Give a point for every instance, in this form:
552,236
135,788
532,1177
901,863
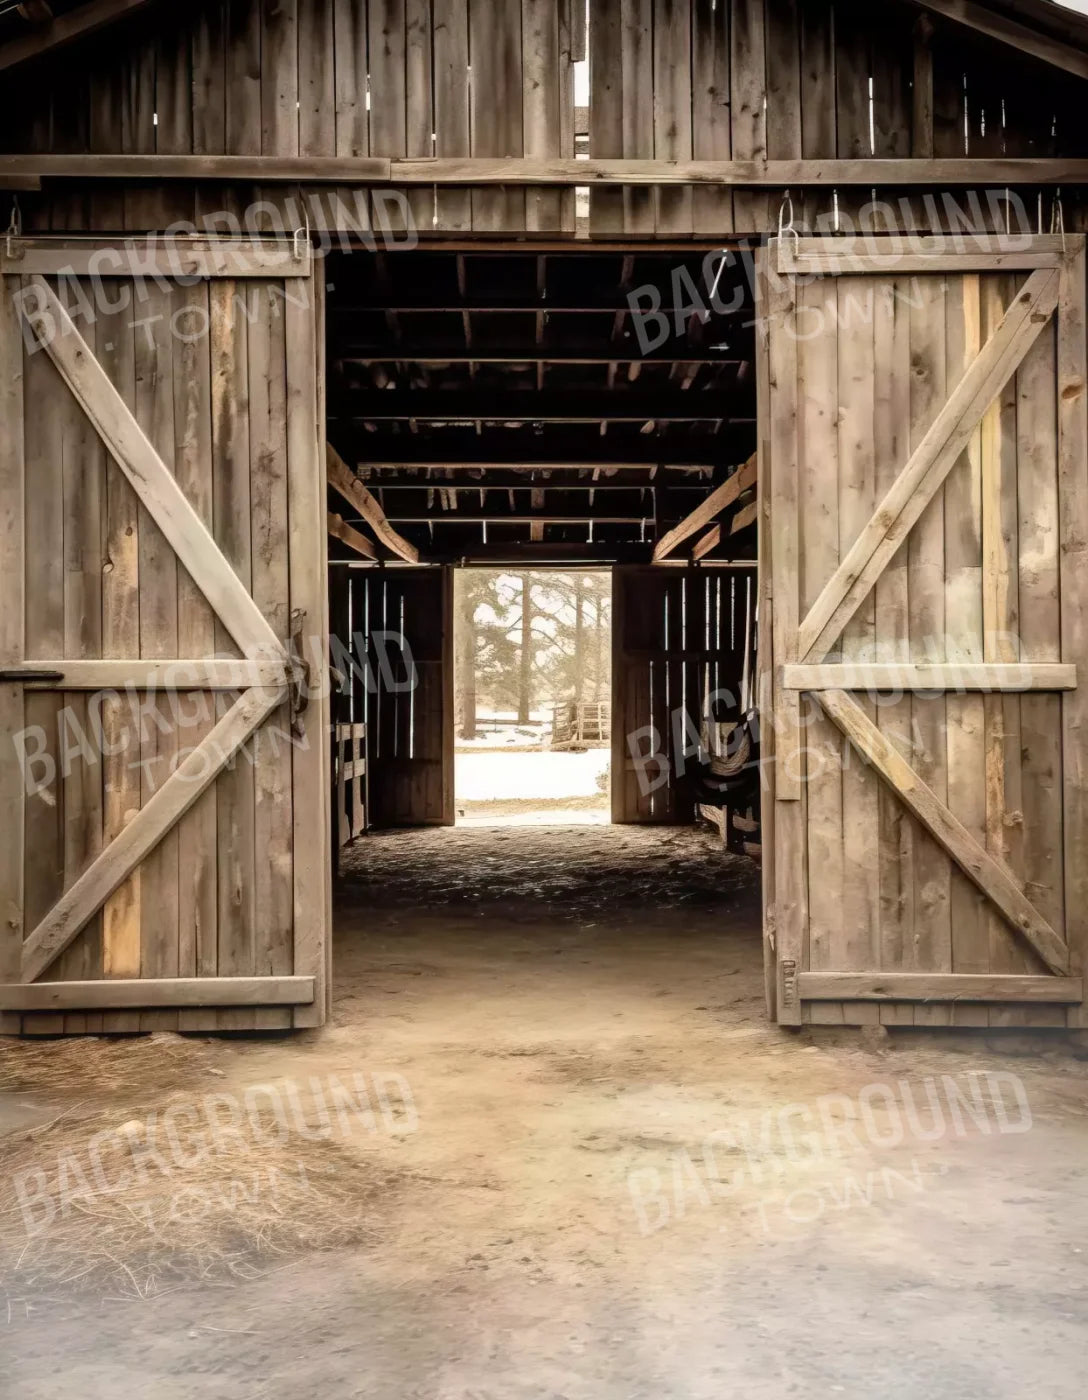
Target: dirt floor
549,1148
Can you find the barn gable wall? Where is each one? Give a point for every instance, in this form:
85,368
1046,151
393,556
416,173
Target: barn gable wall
671,79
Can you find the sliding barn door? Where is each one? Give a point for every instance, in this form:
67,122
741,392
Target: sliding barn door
163,785
405,617
923,417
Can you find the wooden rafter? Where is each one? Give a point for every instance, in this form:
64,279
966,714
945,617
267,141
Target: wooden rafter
344,481
340,530
703,514
985,20
66,29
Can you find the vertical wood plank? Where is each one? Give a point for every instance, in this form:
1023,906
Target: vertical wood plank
891,360
540,105
309,598
197,831
12,636
748,69
121,915
350,70
316,78
419,97
966,736
818,473
1040,622
1073,586
243,73
497,130
158,640
712,209
672,107
856,946
453,208
388,109
273,823
931,873
774,310
1001,627
279,78
83,468
44,613
637,118
236,934
606,111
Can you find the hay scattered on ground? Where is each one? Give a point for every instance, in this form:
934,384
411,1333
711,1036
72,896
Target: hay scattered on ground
240,1209
105,1068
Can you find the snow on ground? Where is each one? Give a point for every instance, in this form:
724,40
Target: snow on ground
490,777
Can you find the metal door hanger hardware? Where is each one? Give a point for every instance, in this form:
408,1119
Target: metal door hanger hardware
33,677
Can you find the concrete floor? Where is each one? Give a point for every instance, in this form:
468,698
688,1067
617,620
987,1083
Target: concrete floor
617,1180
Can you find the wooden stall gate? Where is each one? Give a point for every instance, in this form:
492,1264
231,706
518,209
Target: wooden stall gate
402,622
163,787
924,415
675,644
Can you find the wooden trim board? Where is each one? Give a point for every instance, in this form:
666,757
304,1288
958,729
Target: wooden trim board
937,986
966,675
519,170
157,991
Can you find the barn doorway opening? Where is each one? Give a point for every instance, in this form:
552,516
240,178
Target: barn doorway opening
543,418
532,697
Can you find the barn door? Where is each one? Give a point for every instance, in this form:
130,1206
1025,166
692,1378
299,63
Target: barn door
163,787
406,616
924,419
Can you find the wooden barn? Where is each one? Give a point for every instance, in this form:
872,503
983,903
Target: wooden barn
773,308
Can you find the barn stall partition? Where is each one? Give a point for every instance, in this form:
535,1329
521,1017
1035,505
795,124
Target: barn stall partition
928,872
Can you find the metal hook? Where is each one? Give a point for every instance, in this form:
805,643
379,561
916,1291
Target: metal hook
786,225
15,226
302,235
1057,218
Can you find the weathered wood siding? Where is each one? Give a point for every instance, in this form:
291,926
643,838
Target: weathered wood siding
669,79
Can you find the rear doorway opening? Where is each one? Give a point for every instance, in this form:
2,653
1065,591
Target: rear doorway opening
532,697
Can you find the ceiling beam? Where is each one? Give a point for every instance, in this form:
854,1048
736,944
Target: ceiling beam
66,29
531,406
463,450
543,354
984,20
339,529
519,170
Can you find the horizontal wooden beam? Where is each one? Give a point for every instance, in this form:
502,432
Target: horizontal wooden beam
529,479
340,530
937,986
532,406
926,253
703,514
479,515
155,257
65,29
518,170
344,481
603,353
141,675
983,19
405,451
157,991
952,676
